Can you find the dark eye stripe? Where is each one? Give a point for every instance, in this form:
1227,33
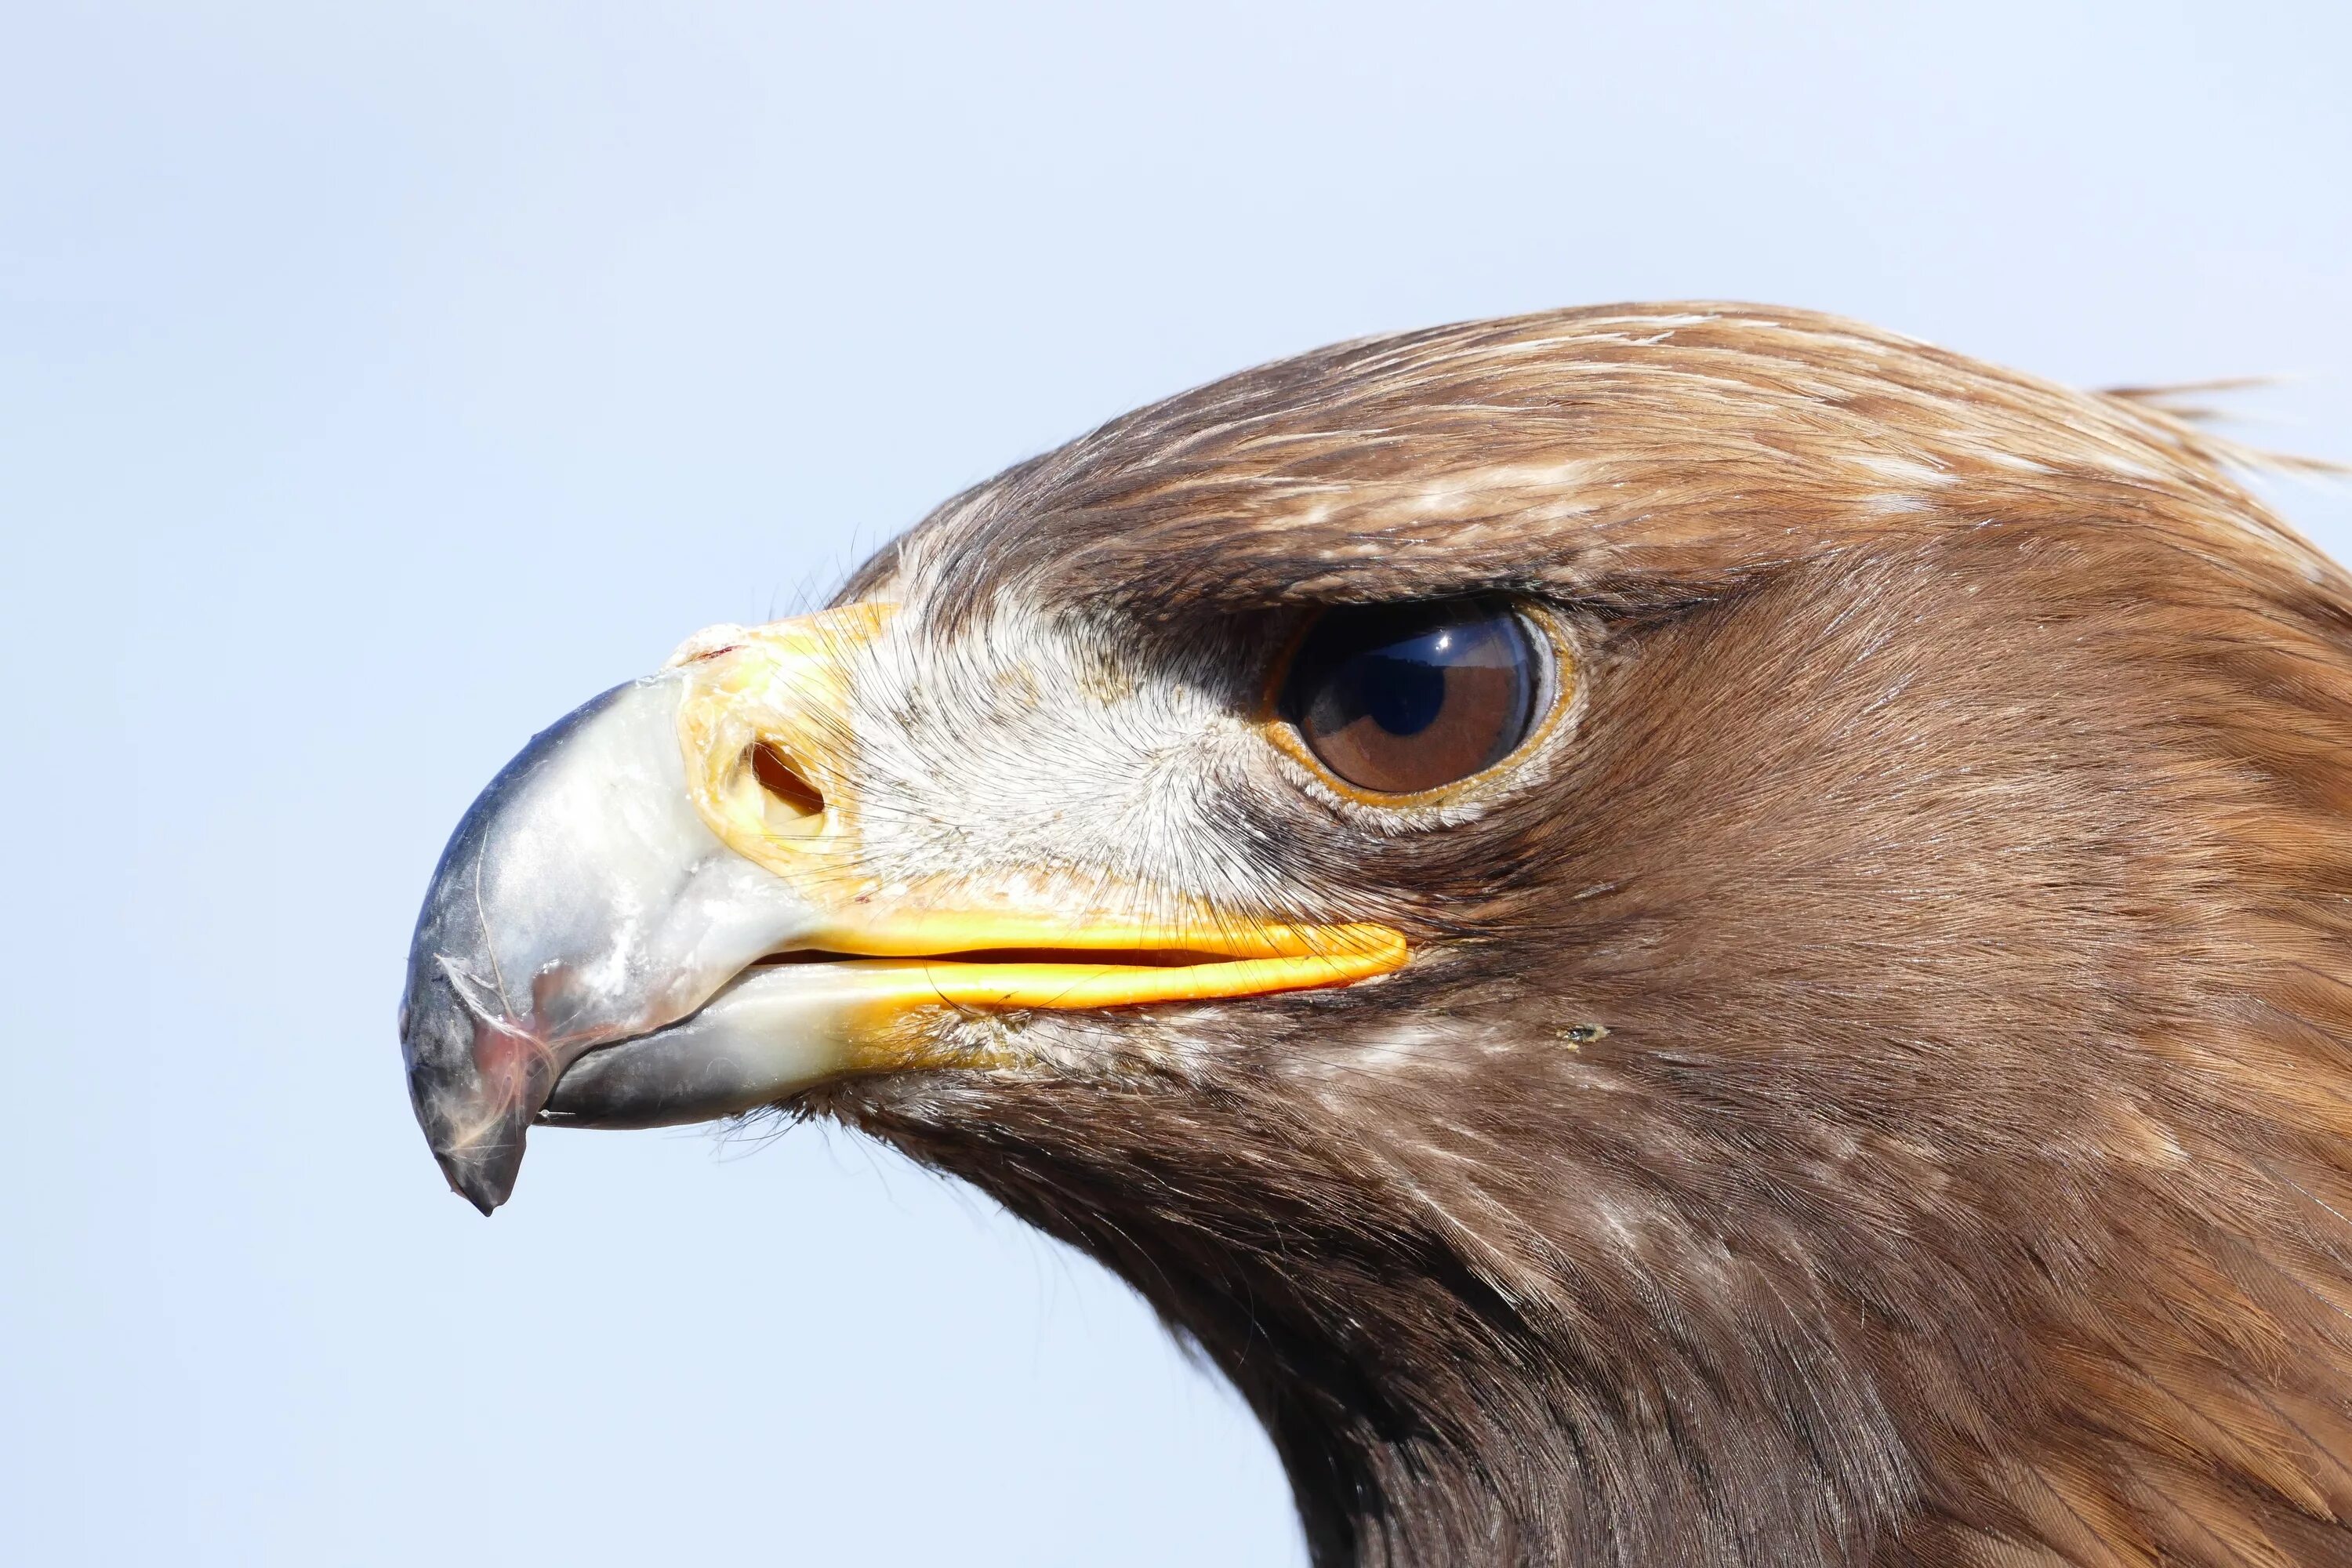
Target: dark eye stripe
1398,699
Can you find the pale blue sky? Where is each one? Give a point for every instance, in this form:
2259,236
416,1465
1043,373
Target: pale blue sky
376,381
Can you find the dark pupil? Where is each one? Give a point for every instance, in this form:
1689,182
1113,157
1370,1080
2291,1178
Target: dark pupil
1402,698
1402,685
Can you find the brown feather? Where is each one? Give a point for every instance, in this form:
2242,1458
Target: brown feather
1952,853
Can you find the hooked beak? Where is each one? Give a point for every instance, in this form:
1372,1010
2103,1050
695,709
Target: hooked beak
654,915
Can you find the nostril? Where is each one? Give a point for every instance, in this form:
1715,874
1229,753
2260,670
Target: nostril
786,786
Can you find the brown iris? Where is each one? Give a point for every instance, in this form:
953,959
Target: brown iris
1399,699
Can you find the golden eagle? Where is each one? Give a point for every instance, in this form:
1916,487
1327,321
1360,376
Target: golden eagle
1679,934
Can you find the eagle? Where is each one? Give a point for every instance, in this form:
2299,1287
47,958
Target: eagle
1674,934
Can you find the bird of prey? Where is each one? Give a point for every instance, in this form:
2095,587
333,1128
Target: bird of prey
1681,934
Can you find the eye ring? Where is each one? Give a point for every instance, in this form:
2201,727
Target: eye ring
1416,702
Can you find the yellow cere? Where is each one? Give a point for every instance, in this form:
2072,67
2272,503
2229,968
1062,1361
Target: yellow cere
783,686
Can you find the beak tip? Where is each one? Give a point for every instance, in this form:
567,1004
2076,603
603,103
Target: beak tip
483,1173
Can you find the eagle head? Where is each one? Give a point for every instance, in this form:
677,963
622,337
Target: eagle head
1678,934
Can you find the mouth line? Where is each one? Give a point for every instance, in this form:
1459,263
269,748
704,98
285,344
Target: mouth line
859,995
897,970
1092,957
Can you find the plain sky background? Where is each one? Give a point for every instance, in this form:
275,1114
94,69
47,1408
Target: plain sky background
376,381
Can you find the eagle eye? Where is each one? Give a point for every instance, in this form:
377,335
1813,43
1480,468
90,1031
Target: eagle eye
1401,698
